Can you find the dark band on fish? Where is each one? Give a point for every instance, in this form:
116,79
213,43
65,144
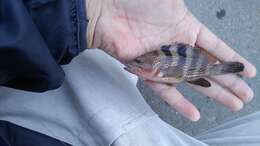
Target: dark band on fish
180,64
197,65
181,50
166,50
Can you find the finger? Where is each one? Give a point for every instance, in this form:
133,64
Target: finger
236,85
212,44
221,95
174,98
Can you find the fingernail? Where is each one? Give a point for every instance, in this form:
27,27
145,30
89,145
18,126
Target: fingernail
252,71
249,96
195,117
237,106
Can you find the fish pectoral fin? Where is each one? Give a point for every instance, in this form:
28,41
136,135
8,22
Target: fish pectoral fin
200,82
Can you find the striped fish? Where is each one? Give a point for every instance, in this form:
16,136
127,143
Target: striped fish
179,62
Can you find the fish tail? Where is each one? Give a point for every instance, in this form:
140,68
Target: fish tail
226,68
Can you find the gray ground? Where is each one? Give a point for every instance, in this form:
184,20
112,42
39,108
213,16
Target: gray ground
238,23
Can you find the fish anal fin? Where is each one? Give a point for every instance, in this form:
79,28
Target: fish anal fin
200,82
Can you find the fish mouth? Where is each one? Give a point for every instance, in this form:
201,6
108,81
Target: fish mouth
132,69
145,74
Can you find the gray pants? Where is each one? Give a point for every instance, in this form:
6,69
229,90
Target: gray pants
241,132
100,105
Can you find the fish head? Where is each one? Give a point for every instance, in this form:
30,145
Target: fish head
143,66
143,62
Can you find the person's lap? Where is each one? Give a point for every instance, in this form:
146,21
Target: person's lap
243,131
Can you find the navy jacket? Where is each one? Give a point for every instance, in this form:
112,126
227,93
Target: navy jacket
36,37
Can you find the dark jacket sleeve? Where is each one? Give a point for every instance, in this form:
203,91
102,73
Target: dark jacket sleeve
36,37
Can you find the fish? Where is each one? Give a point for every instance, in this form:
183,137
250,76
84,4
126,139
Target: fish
178,62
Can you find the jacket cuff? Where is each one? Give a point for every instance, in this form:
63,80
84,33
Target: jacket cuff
79,25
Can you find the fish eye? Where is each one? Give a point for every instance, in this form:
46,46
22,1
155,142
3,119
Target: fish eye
138,61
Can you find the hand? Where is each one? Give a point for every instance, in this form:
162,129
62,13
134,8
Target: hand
126,29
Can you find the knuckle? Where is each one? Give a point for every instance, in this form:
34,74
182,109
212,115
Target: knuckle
235,84
219,92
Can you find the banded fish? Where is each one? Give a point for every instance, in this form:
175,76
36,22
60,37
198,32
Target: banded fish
180,62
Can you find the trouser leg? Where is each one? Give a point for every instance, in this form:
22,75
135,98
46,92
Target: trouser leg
13,135
243,131
240,132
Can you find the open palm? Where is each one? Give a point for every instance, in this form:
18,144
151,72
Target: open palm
126,29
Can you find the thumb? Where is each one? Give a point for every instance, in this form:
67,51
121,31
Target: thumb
94,8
